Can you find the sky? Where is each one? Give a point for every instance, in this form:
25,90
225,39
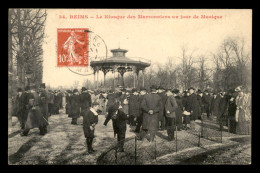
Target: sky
152,39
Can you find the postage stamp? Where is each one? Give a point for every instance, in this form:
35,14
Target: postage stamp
72,47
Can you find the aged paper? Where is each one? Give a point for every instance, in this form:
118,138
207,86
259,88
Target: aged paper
109,49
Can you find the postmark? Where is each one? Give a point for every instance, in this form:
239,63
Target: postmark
96,49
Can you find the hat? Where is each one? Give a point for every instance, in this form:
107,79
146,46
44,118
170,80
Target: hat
134,90
176,91
142,89
27,88
75,90
84,89
95,103
42,85
19,90
153,87
191,88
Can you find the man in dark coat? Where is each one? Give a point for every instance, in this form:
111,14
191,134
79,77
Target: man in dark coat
75,107
179,109
186,118
111,99
139,118
192,106
60,95
20,107
223,110
119,119
206,101
56,103
170,114
90,119
161,118
68,105
85,99
201,108
134,105
43,103
151,106
231,113
214,108
35,118
51,101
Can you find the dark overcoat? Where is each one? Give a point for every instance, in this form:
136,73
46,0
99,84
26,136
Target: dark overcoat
206,101
201,108
75,106
162,107
43,103
223,103
111,99
35,118
88,119
184,101
19,106
232,107
119,124
179,110
151,102
215,105
192,104
134,105
85,100
68,105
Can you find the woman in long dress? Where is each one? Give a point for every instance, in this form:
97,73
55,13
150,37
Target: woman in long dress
243,114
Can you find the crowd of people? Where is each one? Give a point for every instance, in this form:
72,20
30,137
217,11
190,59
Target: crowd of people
148,111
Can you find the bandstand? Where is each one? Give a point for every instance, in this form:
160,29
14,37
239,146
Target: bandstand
121,64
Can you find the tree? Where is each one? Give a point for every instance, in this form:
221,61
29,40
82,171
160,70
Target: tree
26,36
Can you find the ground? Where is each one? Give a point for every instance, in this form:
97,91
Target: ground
65,144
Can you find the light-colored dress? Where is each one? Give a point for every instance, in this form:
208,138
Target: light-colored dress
243,114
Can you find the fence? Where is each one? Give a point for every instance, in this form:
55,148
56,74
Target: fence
204,132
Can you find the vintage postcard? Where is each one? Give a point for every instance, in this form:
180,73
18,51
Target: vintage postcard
129,86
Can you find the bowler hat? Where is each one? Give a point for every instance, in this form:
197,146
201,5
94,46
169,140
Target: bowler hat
19,90
75,90
84,89
42,85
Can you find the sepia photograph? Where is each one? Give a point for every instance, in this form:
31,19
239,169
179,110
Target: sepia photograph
129,86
